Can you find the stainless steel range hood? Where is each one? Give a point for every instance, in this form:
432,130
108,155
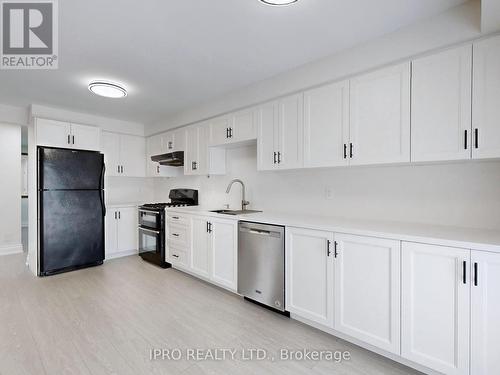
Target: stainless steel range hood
172,159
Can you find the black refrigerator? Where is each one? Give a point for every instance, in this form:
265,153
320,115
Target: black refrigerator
71,209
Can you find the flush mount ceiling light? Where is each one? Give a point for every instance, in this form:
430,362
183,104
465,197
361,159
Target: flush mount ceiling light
107,89
278,2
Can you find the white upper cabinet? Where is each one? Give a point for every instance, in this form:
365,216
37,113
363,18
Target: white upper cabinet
486,99
435,307
326,125
233,128
280,132
65,135
86,137
309,274
132,153
220,130
367,290
441,106
53,133
485,310
124,155
199,159
380,117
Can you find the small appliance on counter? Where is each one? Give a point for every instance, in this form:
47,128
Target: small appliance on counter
152,222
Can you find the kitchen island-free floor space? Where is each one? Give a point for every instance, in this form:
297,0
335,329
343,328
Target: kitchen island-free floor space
106,320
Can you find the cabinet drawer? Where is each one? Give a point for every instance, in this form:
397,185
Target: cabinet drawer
176,219
178,235
179,258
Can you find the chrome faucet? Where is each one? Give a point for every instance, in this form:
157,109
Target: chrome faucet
244,203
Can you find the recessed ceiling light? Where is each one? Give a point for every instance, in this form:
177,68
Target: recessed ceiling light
278,2
107,89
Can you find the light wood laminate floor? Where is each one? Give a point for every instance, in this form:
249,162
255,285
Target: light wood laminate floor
105,320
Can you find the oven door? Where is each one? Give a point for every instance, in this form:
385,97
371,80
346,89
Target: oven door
150,242
150,219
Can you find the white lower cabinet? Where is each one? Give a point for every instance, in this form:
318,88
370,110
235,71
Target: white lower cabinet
485,313
200,254
436,307
309,274
121,233
213,250
224,252
367,290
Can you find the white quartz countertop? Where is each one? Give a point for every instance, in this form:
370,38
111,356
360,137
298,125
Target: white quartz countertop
468,238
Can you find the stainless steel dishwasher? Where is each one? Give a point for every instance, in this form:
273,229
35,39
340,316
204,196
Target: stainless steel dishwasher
261,263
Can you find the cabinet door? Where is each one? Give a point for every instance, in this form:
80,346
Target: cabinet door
111,150
110,234
367,287
267,137
380,116
485,99
224,247
85,137
153,147
132,154
178,139
326,125
290,132
127,229
167,142
435,307
309,275
219,133
202,162
485,325
441,106
53,133
200,254
243,126
191,152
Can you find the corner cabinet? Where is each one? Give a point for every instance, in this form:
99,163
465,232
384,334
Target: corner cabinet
121,235
61,134
309,275
367,290
280,134
436,307
441,106
124,155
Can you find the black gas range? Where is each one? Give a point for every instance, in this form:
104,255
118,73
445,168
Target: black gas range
152,221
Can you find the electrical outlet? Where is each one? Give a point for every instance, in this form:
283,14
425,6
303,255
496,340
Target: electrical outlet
329,193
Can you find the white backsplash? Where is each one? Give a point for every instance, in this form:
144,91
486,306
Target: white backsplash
460,194
128,190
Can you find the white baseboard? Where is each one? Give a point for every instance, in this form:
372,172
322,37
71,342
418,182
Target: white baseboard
11,249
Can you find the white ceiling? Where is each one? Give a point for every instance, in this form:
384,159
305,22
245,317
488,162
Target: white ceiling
175,54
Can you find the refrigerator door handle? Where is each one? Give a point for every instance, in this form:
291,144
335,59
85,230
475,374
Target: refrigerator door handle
101,188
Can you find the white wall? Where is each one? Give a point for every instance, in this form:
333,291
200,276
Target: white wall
464,194
461,23
120,190
10,189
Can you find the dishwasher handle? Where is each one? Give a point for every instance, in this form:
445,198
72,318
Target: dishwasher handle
260,232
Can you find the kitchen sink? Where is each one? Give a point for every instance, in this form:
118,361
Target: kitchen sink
235,212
